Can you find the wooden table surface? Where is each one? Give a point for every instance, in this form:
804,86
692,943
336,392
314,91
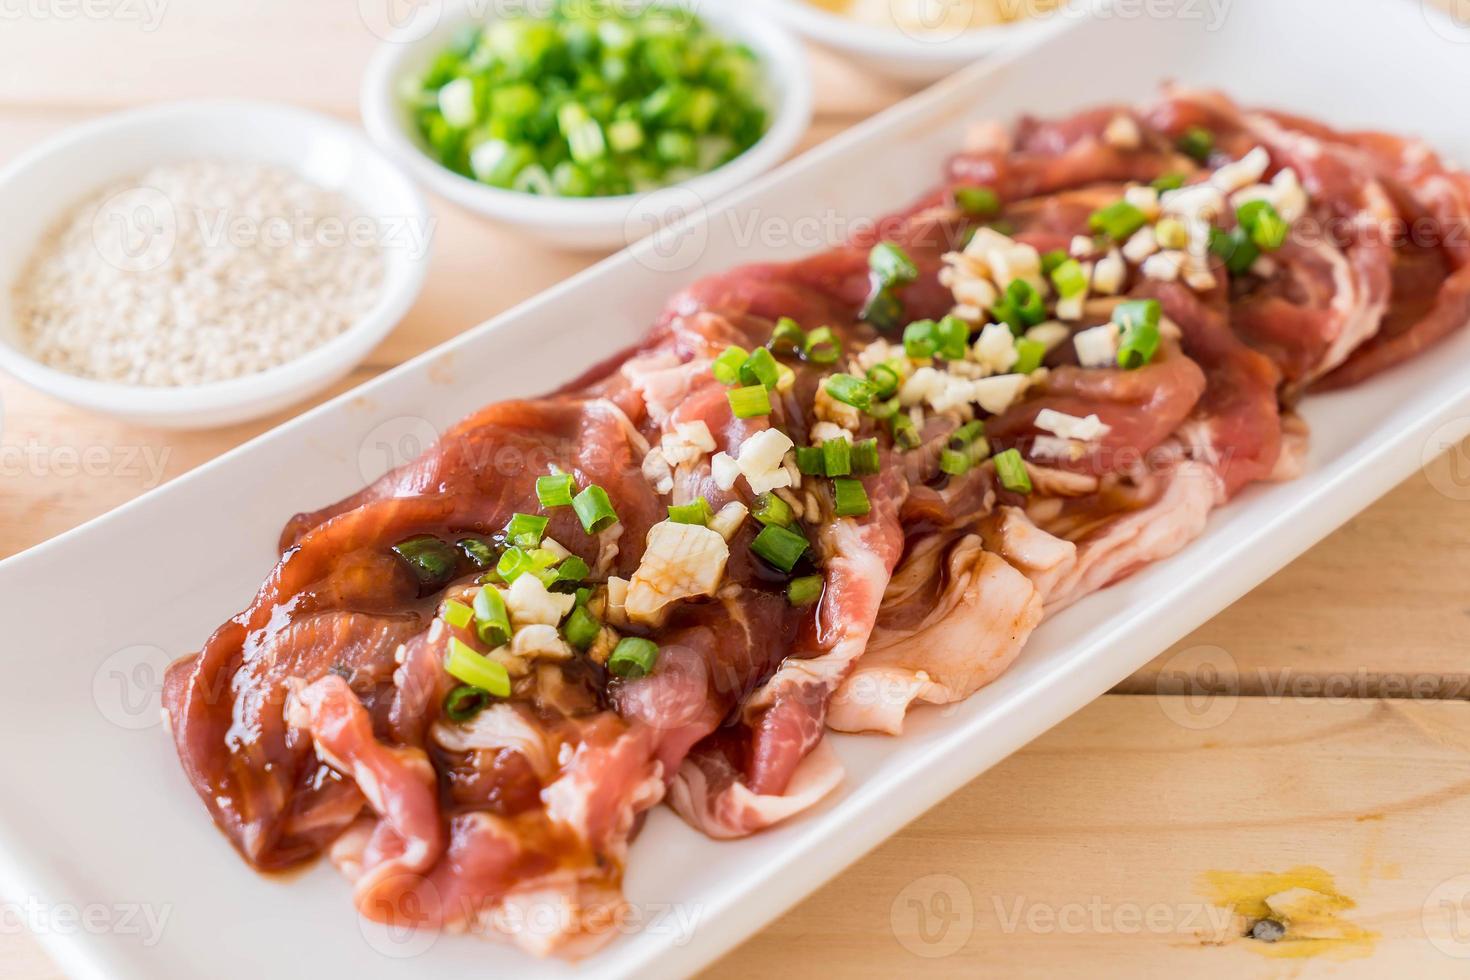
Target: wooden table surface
1318,722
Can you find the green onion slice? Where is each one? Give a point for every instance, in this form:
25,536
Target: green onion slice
905,433
726,367
865,456
884,379
920,339
457,614
633,657
581,628
464,702
1235,248
850,498
697,511
1051,261
1118,220
977,202
1196,142
805,590
1168,182
759,368
849,390
480,554
526,530
471,667
572,570
492,619
1012,471
750,402
891,265
554,490
955,462
1267,228
883,310
953,335
810,461
779,547
1029,355
788,337
1069,279
432,561
822,346
836,457
595,510
771,510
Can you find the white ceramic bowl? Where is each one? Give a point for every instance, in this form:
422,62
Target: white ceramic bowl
40,187
599,222
913,58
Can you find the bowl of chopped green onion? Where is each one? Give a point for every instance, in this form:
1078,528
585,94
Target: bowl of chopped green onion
564,120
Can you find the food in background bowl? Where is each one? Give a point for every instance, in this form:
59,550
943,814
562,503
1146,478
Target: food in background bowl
921,18
589,104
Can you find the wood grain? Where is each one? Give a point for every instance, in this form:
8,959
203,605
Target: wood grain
1121,807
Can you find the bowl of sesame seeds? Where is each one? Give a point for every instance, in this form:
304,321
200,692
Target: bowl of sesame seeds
203,263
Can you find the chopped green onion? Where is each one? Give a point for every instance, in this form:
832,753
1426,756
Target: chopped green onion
1140,322
572,570
822,346
850,498
1196,142
788,337
492,619
466,664
554,490
432,561
594,509
480,554
1012,471
542,557
1069,278
457,614
770,510
1168,182
884,379
780,547
750,402
1051,261
465,702
850,391
1235,248
1264,223
883,310
810,461
955,462
581,628
525,530
836,457
697,511
905,433
865,456
513,563
625,135
1029,355
962,437
805,590
726,367
884,410
1118,220
920,340
953,335
977,202
759,369
633,657
891,265
1027,300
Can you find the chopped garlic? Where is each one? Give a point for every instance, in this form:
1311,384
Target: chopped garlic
1145,199
725,470
997,394
687,443
823,431
878,352
554,546
1197,275
1070,426
1264,266
996,348
540,641
920,386
1051,333
529,602
1171,234
1110,273
1082,247
1141,245
681,561
657,472
728,520
1243,172
1051,447
617,599
1122,132
1198,202
1164,266
1097,347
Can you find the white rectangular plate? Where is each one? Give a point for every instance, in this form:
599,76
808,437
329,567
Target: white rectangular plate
98,817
